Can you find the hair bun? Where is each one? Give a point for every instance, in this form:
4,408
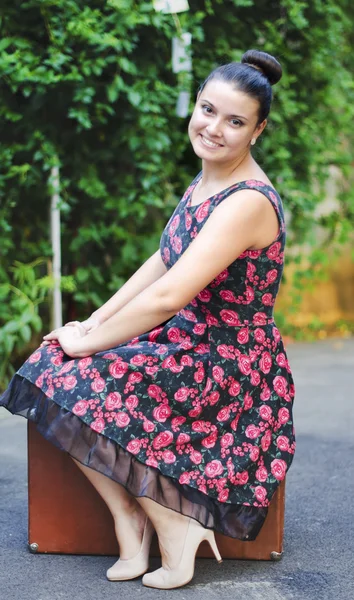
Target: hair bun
266,63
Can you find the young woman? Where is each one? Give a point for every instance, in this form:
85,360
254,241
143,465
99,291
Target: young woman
175,397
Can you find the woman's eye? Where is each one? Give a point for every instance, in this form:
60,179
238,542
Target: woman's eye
236,122
207,109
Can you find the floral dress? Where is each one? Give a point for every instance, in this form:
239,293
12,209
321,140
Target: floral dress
196,413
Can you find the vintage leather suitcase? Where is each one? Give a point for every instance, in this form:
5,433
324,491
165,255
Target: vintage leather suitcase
67,515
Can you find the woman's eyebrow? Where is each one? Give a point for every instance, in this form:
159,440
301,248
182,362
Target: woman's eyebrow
231,116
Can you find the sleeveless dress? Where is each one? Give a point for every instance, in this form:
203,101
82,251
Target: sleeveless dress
195,414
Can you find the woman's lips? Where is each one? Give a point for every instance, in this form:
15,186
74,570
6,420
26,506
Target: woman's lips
208,143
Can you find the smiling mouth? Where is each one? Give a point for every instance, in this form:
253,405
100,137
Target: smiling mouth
210,144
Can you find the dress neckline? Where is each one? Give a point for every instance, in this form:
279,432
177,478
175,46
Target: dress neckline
190,206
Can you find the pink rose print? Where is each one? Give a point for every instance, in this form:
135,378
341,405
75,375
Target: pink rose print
154,334
261,474
272,276
266,440
265,362
223,495
135,377
108,355
113,400
168,457
244,364
267,299
118,369
261,493
274,250
223,351
174,224
218,374
223,414
209,441
276,334
134,446
251,270
259,318
98,385
230,317
178,421
213,468
259,335
56,360
176,243
148,426
80,408
281,360
35,357
69,383
254,453
188,221
186,361
252,432
283,443
213,398
204,295
283,415
196,457
227,295
265,395
234,388
183,438
166,255
265,412
122,419
249,295
199,328
182,394
138,359
247,401
185,478
280,385
85,362
154,391
162,412
227,440
132,402
243,336
255,378
202,211
278,468
163,439
98,425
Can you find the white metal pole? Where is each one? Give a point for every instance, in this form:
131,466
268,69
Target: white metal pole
56,247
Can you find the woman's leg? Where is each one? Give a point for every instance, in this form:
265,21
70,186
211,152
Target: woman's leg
171,528
129,517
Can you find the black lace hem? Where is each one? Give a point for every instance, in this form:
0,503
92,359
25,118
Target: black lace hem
66,431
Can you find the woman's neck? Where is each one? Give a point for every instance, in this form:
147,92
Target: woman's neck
214,174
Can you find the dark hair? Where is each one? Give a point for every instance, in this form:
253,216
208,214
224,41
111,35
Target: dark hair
256,80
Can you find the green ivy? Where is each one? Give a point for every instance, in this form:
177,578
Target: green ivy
90,85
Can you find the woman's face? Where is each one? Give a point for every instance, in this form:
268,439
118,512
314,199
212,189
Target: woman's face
223,122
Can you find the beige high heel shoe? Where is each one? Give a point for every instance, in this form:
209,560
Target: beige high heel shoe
130,568
165,579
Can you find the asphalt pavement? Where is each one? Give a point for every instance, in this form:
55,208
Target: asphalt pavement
319,519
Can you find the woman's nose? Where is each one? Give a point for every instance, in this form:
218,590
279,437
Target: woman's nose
214,128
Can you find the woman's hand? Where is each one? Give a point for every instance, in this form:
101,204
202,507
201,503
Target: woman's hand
85,326
69,340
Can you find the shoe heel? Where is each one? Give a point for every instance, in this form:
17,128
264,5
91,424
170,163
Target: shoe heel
213,546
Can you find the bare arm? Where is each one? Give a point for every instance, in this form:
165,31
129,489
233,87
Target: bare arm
233,227
151,270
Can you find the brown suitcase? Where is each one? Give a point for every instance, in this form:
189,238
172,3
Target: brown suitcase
67,515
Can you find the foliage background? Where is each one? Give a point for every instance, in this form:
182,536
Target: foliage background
89,86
